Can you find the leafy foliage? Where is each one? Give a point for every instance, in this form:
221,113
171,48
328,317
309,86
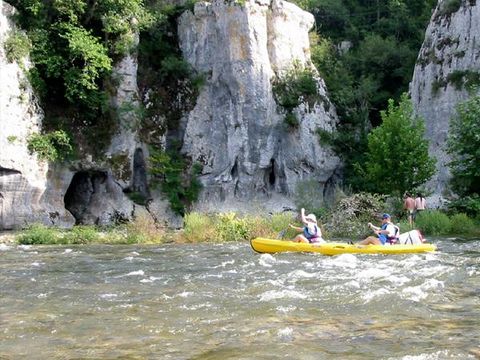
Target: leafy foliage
165,78
397,155
296,85
365,51
469,205
175,178
52,146
433,223
449,7
461,224
74,44
230,227
464,147
17,46
38,234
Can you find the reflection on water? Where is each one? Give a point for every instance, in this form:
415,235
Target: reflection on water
226,301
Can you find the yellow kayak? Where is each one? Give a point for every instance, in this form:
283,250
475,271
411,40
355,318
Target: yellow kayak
263,245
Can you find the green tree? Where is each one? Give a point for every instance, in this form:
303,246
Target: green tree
464,147
365,51
397,154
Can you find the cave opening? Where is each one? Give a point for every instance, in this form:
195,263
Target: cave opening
271,176
78,197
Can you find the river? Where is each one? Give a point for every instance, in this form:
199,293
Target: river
224,301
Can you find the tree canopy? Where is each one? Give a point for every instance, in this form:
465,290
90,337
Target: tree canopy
366,52
397,154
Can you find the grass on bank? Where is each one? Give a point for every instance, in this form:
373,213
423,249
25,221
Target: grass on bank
437,223
142,230
230,227
197,228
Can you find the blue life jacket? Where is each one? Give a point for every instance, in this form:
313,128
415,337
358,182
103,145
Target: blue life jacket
310,236
384,237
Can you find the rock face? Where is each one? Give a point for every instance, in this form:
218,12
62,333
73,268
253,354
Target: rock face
449,59
236,130
23,179
85,191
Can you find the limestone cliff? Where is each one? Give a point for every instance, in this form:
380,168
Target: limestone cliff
449,61
86,191
236,130
250,156
23,178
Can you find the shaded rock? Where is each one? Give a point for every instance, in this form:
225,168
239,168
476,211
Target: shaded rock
448,60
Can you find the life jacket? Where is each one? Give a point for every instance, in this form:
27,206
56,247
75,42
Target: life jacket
309,235
386,238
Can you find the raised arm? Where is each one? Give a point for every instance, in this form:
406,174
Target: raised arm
302,215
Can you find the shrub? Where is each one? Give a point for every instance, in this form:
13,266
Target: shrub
229,227
433,223
291,120
17,46
39,234
273,227
51,147
177,180
177,66
198,227
297,85
461,224
448,7
137,197
309,195
144,230
81,234
351,215
404,226
462,144
469,205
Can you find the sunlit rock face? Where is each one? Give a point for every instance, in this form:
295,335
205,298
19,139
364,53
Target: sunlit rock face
85,191
24,181
448,60
237,131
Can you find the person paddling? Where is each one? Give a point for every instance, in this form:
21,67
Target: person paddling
311,232
386,233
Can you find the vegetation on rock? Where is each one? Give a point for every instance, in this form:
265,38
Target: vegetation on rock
463,147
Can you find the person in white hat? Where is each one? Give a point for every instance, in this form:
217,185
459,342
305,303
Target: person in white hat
311,233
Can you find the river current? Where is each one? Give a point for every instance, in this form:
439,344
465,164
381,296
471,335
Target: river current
224,301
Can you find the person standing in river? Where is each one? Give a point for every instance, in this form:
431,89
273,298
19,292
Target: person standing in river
409,206
420,204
